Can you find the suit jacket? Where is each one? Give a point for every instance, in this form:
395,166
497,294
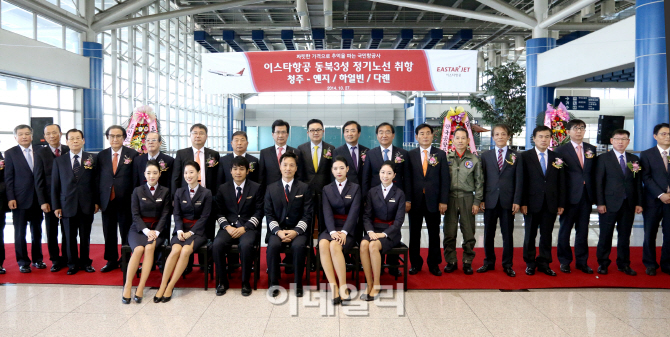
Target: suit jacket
44,160
269,166
576,177
654,176
69,194
144,204
122,180
373,163
356,176
197,208
613,187
320,178
391,208
348,203
436,183
295,214
3,187
19,179
247,213
538,187
140,164
210,173
505,186
226,165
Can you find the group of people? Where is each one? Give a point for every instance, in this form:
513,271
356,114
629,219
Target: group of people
351,195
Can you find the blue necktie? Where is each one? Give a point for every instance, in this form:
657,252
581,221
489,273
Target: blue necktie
622,162
29,158
386,154
543,164
239,194
76,167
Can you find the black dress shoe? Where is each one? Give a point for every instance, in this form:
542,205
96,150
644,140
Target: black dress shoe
667,271
602,270
137,299
414,270
109,267
530,271
565,268
221,289
40,265
368,298
298,292
547,271
89,269
2,270
651,271
435,270
56,267
467,268
510,272
25,269
485,268
158,299
395,272
246,289
274,293
337,300
450,267
166,299
628,271
125,300
72,271
585,269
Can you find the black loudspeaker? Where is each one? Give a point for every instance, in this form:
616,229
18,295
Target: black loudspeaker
606,126
38,124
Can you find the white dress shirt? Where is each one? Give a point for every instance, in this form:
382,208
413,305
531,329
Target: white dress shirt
318,155
290,184
25,155
241,186
546,157
423,155
390,154
277,147
150,157
119,157
660,150
147,230
504,153
72,154
357,152
53,149
203,164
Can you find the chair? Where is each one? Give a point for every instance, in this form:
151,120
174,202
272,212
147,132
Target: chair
126,252
403,250
256,265
355,256
203,257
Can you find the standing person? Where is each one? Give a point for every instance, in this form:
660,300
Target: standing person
619,198
353,152
503,179
22,196
430,181
269,170
656,181
75,197
240,143
44,158
466,193
116,187
580,162
4,208
154,141
542,199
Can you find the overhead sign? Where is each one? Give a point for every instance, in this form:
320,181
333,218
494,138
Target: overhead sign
581,102
340,70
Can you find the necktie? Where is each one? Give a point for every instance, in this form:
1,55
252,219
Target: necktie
354,157
286,192
622,163
665,160
76,167
543,164
500,159
192,191
29,158
315,158
425,162
239,194
279,153
579,155
386,154
197,160
57,152
152,188
115,162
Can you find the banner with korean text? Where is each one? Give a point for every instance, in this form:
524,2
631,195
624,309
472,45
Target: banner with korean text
340,70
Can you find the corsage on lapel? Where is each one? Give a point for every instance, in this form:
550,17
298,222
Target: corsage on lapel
363,155
88,163
211,162
251,167
163,166
127,160
512,159
327,154
634,167
558,163
399,159
589,154
2,164
432,160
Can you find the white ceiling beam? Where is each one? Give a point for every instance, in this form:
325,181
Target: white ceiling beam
565,13
117,12
509,10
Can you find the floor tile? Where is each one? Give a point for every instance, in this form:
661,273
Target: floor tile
382,327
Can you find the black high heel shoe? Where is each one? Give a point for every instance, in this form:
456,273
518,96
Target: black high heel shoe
166,298
345,301
158,299
137,299
337,300
125,300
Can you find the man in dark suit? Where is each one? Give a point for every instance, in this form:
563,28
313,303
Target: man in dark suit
115,172
353,152
3,209
542,199
22,196
656,181
269,170
580,162
316,158
44,159
503,184
240,142
288,212
75,197
619,198
429,175
208,160
153,142
240,205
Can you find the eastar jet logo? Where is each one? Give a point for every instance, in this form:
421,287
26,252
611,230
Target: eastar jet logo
223,73
453,71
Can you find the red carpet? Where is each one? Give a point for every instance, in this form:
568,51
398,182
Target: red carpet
424,280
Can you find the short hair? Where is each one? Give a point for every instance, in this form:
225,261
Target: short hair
541,128
117,127
289,155
422,126
58,126
240,161
342,159
240,133
160,138
657,128
385,124
575,122
21,127
462,130
153,162
280,122
314,120
198,125
620,132
358,126
390,164
193,163
505,127
67,134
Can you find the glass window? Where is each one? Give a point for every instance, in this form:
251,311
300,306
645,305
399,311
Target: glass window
13,90
70,6
17,20
49,32
66,98
43,95
72,40
13,116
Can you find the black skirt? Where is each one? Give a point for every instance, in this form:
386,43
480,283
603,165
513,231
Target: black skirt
387,242
348,245
137,238
199,241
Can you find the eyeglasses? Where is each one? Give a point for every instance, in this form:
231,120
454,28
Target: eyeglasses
198,133
621,139
578,128
663,134
315,130
116,136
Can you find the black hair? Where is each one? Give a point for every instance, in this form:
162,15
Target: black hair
240,161
575,122
21,127
505,127
289,155
312,121
342,159
620,132
358,126
74,130
198,125
116,127
422,126
389,163
385,124
463,130
240,133
657,128
193,163
153,162
58,126
280,122
541,128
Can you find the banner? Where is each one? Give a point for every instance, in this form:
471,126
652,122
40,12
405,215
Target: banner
340,70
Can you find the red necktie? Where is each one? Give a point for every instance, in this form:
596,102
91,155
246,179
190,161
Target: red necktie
152,188
192,191
57,152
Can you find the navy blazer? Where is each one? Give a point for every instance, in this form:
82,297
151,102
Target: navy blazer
348,203
356,176
269,171
226,165
122,179
140,164
44,160
320,178
247,213
69,194
3,188
537,187
502,186
294,214
145,204
19,179
210,173
613,187
436,183
654,176
197,208
373,163
391,208
576,177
